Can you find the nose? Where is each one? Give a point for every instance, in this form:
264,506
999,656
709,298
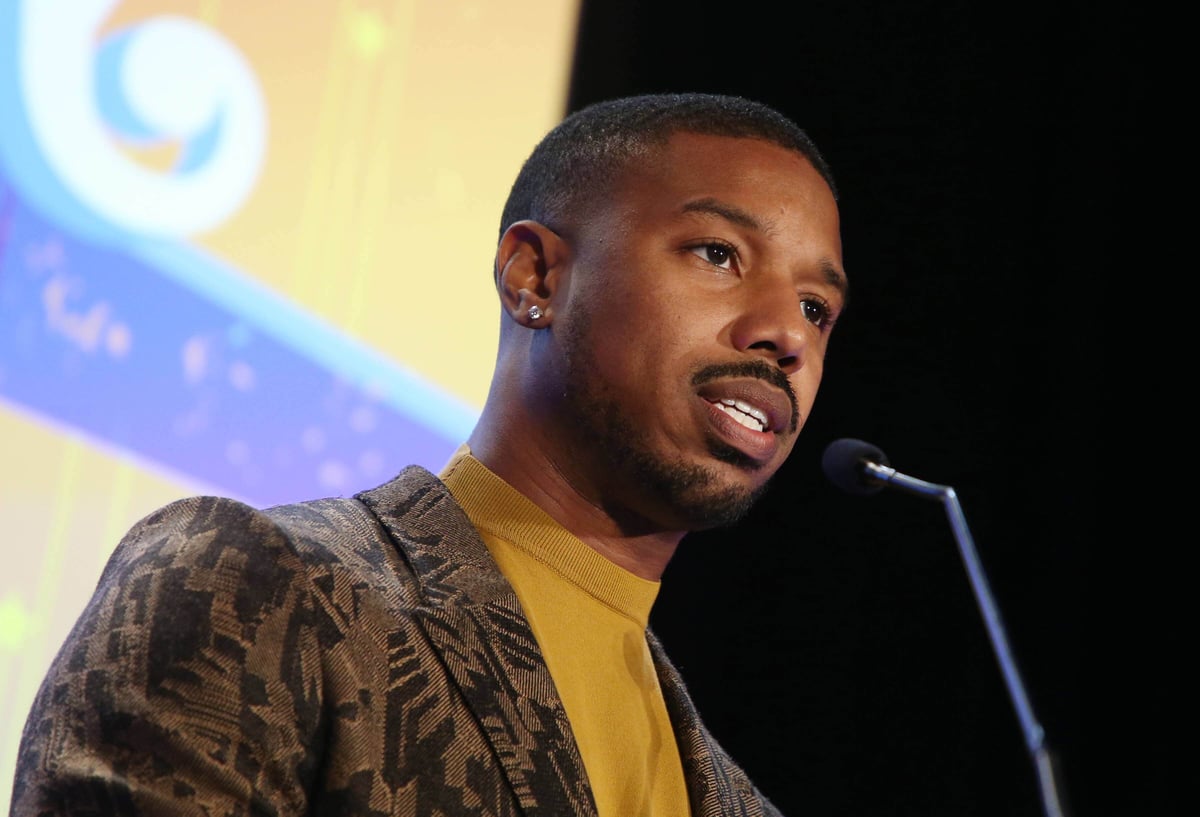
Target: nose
772,324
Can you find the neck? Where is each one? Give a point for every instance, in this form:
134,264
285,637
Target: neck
639,547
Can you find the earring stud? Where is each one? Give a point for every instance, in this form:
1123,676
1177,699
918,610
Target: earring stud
535,312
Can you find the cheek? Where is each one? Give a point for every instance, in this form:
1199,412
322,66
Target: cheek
651,334
806,383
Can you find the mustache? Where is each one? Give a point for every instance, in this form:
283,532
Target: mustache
759,369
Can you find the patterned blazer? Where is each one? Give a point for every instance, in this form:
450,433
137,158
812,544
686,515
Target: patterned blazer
358,656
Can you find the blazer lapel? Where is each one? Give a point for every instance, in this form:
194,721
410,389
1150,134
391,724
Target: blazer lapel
473,618
716,787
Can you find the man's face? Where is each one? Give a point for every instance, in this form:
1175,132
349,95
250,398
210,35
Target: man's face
693,323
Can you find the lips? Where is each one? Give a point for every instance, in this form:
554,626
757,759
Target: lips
748,413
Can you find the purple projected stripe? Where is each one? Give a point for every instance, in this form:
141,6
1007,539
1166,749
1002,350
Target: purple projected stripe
107,344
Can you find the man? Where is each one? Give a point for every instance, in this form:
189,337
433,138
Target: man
475,643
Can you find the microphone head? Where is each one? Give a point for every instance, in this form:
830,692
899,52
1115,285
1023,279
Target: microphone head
843,461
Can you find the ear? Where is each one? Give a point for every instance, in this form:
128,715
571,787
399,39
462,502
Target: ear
529,264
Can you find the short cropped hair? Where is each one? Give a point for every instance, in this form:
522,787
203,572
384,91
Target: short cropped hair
588,150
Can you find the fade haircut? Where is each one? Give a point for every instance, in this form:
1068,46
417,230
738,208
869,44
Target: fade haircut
586,152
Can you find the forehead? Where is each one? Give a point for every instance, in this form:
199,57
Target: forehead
777,186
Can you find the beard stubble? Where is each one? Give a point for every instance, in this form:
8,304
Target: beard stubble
689,492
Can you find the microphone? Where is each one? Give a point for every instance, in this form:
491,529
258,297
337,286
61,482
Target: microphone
862,469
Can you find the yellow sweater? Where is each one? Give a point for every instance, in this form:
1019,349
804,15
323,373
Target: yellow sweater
589,617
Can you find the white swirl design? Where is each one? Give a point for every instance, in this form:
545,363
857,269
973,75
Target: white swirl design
166,78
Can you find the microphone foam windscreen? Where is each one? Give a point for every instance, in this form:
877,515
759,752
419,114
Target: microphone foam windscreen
842,463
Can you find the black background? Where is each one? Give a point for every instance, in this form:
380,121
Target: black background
833,644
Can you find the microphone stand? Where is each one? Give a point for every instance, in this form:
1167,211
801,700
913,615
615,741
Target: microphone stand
1035,737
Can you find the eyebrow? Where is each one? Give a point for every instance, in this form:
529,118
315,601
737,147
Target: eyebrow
742,218
837,278
728,212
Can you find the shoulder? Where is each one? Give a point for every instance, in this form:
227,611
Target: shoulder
214,534
197,567
216,531
226,542
217,552
208,553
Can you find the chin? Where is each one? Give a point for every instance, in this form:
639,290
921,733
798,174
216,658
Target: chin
718,508
701,496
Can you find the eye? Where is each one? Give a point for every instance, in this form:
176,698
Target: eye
717,253
817,311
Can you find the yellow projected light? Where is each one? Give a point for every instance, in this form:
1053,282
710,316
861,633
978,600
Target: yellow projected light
240,220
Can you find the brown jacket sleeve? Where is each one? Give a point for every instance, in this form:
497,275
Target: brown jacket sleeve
169,695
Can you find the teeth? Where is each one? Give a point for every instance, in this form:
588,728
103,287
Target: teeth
744,413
